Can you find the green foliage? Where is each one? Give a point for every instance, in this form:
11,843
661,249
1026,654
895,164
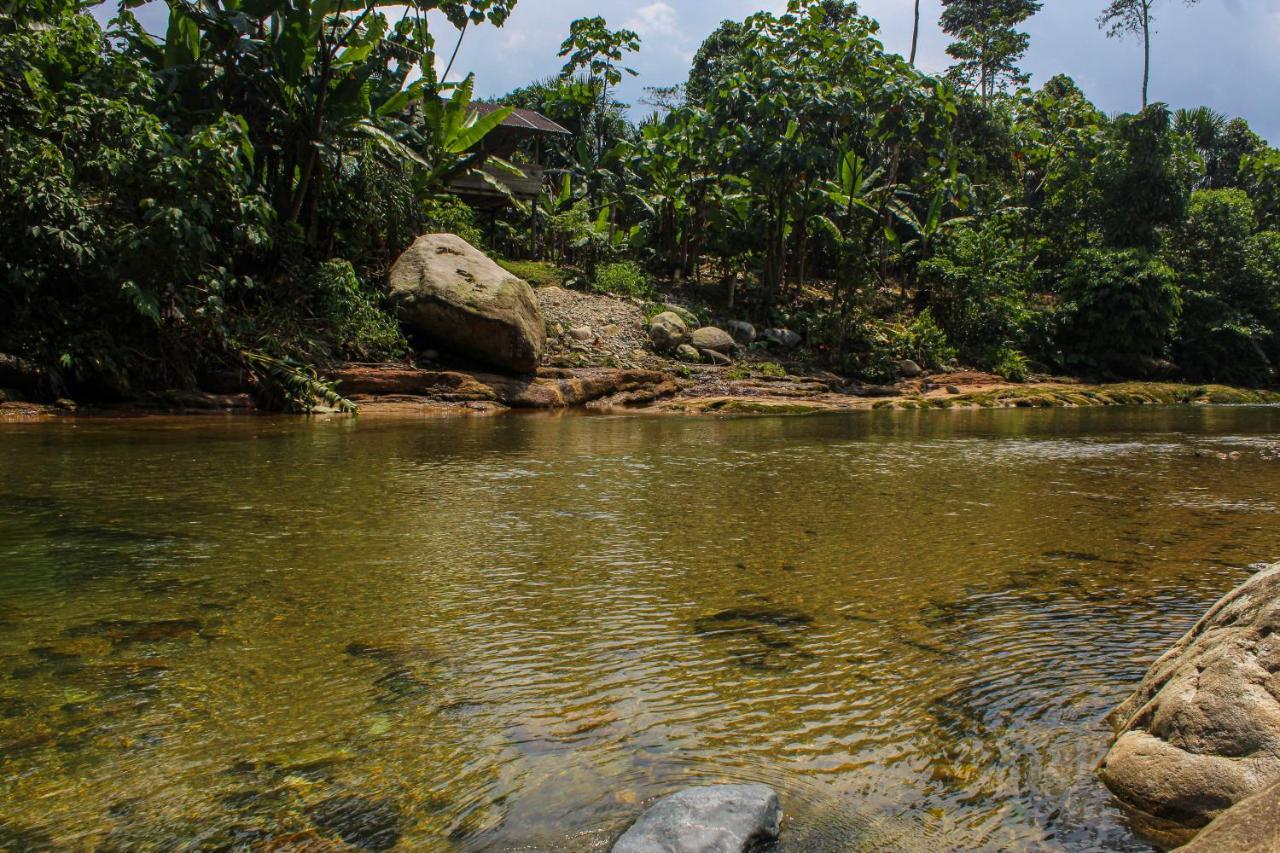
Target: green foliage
161,203
1145,175
1011,364
988,48
1230,290
1119,310
537,273
290,386
625,278
350,313
980,285
450,215
1259,175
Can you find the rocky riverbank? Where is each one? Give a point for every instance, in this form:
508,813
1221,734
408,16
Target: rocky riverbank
487,342
400,389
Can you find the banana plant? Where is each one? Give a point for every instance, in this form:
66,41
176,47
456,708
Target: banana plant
310,77
855,196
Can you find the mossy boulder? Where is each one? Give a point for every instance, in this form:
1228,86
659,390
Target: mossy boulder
456,297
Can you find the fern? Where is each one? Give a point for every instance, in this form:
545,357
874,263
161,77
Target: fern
291,386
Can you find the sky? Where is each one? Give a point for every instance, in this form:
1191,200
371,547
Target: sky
1220,53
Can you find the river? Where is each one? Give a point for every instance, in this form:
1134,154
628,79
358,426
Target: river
491,633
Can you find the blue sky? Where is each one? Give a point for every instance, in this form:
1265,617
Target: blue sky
1222,53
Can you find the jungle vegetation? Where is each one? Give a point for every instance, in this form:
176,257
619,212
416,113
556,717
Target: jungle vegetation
229,197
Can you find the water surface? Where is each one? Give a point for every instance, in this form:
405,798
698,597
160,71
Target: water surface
488,634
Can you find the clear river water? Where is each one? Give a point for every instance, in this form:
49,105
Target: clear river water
514,632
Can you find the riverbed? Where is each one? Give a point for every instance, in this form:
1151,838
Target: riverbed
513,632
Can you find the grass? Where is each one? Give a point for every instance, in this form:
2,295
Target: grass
537,273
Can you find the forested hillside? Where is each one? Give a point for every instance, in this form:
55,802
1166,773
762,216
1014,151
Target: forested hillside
230,197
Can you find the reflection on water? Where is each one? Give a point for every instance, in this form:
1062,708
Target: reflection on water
483,634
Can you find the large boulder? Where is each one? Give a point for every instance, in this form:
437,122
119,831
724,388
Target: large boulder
1202,731
711,338
711,819
460,299
668,331
1252,826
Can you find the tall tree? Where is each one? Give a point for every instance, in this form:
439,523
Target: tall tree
1134,17
915,34
987,46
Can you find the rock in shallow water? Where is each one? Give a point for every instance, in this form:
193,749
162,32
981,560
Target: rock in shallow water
1252,826
1202,731
711,819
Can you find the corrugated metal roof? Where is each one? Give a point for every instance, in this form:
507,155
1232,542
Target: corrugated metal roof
521,118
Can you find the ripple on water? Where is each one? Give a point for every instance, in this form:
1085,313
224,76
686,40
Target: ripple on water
483,636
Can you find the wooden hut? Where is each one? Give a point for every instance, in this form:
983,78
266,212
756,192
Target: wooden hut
503,141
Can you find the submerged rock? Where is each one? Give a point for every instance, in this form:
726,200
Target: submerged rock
459,298
360,821
783,617
1202,731
711,819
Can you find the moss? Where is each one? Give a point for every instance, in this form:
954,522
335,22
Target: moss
1121,394
761,407
769,369
537,273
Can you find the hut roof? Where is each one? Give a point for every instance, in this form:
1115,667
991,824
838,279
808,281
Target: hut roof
520,119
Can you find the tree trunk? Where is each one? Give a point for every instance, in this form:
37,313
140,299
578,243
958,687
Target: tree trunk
1146,50
915,35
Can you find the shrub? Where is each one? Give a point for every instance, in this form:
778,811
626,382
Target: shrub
1119,308
977,287
1011,364
625,278
349,311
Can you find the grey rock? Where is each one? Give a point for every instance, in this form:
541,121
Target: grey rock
684,352
909,368
744,333
716,357
461,300
689,318
582,333
711,338
711,819
1202,731
784,338
668,331
953,389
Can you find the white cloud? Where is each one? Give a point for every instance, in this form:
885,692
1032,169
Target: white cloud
656,20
